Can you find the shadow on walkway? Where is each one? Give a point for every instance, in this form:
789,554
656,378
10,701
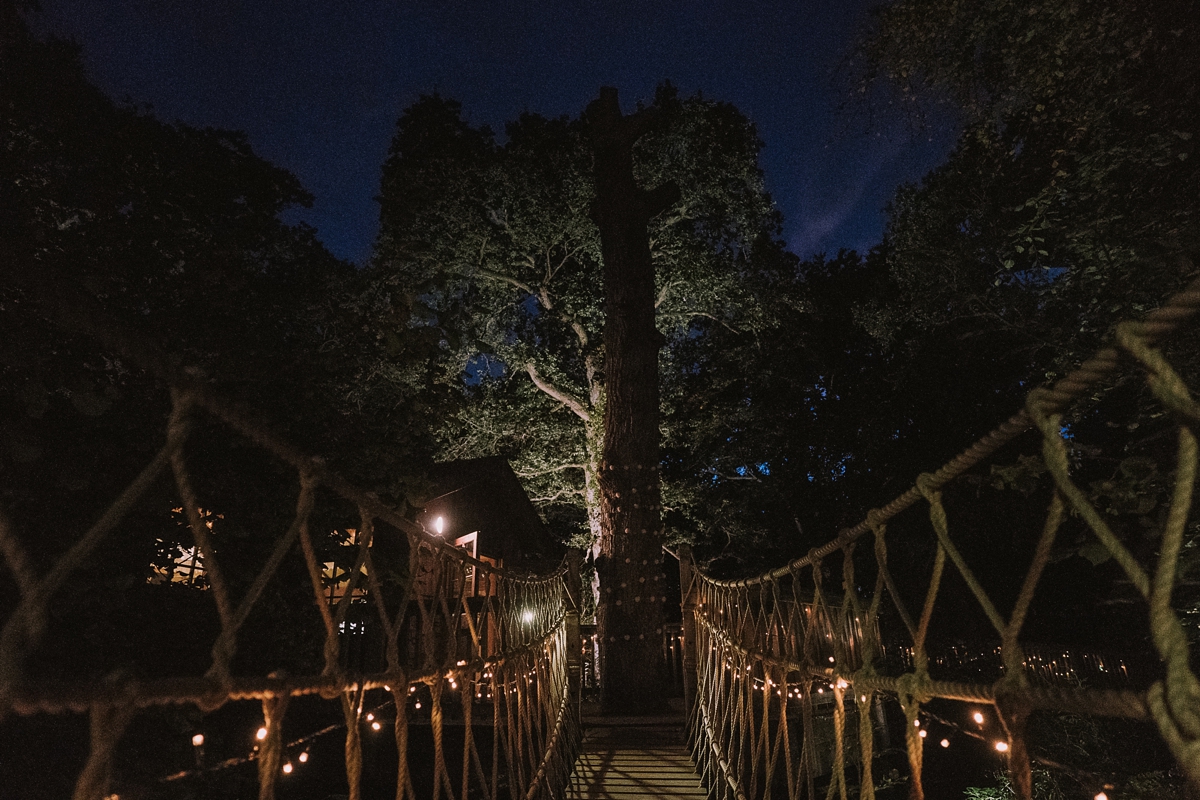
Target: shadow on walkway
633,757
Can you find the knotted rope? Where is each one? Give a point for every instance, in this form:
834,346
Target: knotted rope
782,629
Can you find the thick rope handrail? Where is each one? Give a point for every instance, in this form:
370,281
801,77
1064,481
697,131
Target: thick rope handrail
764,646
1122,703
517,626
1180,308
58,696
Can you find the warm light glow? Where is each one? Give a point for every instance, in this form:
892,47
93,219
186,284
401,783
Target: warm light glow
978,718
841,684
527,616
287,768
418,704
916,723
262,734
945,743
370,717
922,734
375,726
1002,747
387,688
303,757
198,739
831,659
1101,796
439,525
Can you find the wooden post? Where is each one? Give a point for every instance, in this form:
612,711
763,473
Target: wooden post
574,639
687,646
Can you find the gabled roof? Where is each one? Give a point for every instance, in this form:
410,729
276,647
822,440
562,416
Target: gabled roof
485,495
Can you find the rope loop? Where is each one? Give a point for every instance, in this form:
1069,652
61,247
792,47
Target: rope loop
270,753
1014,708
912,690
926,485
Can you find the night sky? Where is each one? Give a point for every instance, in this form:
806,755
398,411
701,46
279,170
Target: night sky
317,85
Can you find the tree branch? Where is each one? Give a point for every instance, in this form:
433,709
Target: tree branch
499,276
557,394
559,468
662,295
555,496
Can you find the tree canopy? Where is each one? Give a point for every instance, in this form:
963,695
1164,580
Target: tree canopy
1070,195
491,253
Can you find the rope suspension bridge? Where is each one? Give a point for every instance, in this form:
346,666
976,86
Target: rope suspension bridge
501,651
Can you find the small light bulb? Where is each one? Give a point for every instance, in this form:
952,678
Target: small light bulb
1002,747
945,743
387,688
978,718
439,525
303,757
287,768
916,723
841,684
1101,796
198,740
922,734
262,734
370,717
418,704
375,726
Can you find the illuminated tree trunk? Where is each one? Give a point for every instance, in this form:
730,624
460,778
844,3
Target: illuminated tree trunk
630,615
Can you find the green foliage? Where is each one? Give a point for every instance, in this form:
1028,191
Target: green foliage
1070,194
1024,476
1044,788
488,253
171,235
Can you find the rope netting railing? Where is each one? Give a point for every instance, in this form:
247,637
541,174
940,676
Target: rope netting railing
490,649
765,652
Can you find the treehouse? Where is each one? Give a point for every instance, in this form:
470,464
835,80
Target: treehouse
478,504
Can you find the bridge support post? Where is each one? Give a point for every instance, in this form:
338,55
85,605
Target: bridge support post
687,646
574,639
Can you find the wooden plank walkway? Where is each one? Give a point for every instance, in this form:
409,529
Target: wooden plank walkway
631,757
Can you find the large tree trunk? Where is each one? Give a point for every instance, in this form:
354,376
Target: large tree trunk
630,615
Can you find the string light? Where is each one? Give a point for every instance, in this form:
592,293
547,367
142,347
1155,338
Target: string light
978,718
287,768
375,726
198,740
303,757
922,733
944,743
262,734
1002,747
1101,796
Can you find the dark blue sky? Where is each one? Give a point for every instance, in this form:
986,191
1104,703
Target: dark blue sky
317,85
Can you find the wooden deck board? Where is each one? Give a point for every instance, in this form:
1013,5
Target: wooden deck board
624,760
